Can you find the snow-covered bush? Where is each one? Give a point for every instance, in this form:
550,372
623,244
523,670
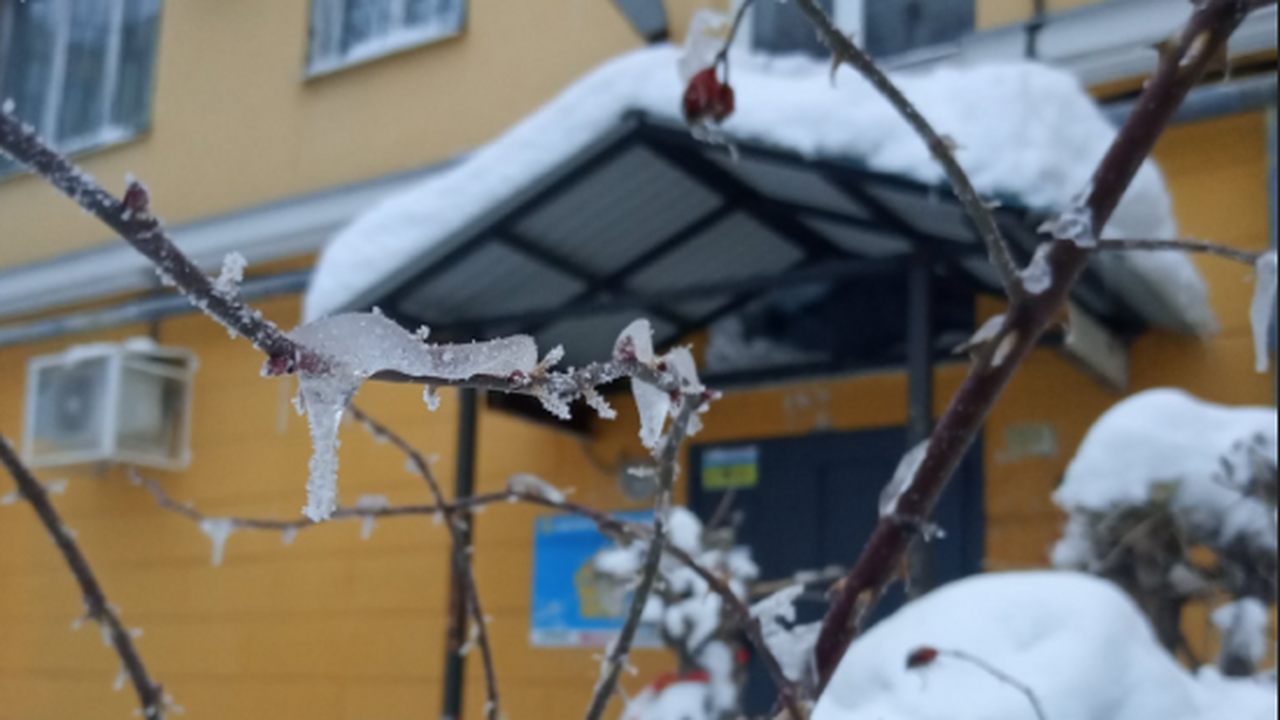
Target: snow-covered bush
1076,643
1163,481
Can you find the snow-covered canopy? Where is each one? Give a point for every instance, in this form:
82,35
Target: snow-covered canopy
1077,642
1026,133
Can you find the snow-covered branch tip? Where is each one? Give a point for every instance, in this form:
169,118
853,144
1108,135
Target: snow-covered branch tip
153,703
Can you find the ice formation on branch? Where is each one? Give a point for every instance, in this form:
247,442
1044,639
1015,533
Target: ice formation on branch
352,347
229,278
218,530
903,477
654,404
371,503
1263,309
528,484
791,644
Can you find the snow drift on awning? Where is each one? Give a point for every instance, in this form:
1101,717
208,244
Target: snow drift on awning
1026,133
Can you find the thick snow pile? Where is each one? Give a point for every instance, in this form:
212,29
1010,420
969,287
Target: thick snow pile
1166,442
1076,641
1024,131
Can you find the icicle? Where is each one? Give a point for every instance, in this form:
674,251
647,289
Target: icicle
288,535
324,398
121,677
1263,309
370,503
218,530
431,397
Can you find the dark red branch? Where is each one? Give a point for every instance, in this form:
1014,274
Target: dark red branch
150,694
1029,316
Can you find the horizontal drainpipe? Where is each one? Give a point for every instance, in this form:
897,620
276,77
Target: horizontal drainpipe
145,310
1252,94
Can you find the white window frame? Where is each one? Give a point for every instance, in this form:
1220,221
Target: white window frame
106,133
326,32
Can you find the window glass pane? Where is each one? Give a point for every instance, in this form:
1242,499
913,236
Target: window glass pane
83,111
782,28
27,58
444,15
132,105
898,26
365,20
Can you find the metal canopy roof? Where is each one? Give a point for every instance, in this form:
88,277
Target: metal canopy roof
649,221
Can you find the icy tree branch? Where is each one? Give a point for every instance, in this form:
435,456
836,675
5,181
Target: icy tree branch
150,694
1030,313
616,658
942,149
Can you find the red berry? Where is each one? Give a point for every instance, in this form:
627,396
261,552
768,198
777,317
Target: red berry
706,98
921,657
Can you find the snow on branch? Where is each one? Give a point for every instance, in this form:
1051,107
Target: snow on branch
151,697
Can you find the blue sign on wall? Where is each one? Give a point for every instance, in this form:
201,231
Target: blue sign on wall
573,605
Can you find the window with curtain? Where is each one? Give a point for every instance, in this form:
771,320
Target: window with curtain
344,32
78,71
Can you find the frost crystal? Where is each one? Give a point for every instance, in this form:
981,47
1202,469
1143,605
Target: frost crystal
1074,224
1038,276
218,530
653,403
1263,308
371,503
431,397
533,485
228,282
356,346
903,477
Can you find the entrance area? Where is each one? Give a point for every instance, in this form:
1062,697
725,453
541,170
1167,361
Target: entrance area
811,502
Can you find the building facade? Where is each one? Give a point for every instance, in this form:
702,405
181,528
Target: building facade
266,128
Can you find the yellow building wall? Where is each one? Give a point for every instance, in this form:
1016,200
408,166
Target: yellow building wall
236,124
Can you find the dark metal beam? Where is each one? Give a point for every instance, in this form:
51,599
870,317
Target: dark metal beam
455,662
750,202
828,271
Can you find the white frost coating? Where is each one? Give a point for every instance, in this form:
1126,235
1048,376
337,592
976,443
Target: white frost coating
1037,276
218,530
684,529
1245,626
529,484
1027,132
370,503
1161,438
228,281
1263,308
903,476
359,345
1077,641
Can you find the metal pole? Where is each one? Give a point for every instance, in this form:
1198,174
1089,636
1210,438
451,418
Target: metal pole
464,485
921,575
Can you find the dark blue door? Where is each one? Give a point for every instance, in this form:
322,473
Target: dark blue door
811,502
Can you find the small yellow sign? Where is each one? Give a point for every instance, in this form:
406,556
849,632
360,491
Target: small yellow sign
729,468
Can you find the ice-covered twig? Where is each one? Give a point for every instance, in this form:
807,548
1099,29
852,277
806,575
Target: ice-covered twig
844,49
926,656
1212,22
151,696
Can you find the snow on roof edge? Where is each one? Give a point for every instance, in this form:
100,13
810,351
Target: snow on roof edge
1025,130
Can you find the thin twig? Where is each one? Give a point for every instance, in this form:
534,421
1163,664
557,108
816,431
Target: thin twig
620,649
150,694
722,57
1205,247
1000,675
1030,314
979,212
461,551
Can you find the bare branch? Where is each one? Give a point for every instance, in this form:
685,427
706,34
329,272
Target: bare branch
941,148
1205,247
1030,314
925,656
620,649
150,694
